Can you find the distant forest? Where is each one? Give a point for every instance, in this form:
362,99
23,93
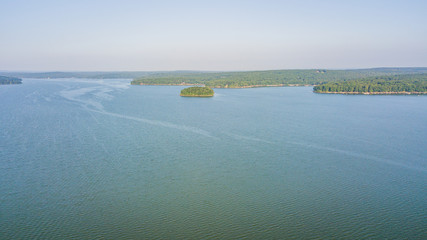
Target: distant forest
9,80
268,78
413,83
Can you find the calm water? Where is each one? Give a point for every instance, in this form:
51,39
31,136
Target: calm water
103,159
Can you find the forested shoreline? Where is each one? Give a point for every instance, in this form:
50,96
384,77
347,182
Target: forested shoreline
353,81
271,78
397,84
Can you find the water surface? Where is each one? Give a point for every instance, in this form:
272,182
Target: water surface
82,158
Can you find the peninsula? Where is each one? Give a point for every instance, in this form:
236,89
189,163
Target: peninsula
197,92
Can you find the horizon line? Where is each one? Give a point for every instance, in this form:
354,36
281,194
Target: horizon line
184,70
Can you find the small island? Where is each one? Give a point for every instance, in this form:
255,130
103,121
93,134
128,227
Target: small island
197,92
9,80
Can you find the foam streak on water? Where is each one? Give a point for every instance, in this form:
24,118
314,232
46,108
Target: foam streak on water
158,123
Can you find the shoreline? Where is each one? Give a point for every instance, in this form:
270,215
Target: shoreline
373,93
196,95
273,85
248,86
288,85
180,84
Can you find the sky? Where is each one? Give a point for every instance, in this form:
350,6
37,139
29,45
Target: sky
231,35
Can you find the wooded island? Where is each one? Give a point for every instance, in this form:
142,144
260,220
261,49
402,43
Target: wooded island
197,92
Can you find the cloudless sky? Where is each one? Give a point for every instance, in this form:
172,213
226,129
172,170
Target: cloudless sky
110,35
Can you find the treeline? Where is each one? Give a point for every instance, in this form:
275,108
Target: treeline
9,80
413,83
267,78
197,92
229,79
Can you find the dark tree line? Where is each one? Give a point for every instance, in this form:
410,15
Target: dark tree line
413,83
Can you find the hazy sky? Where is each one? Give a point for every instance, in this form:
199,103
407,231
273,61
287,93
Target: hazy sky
66,35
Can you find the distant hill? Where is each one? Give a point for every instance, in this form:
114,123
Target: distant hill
96,75
9,80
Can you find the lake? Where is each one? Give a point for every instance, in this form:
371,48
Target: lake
84,158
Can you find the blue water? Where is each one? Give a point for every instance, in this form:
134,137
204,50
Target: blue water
82,158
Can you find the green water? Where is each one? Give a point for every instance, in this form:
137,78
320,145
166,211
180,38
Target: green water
92,159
